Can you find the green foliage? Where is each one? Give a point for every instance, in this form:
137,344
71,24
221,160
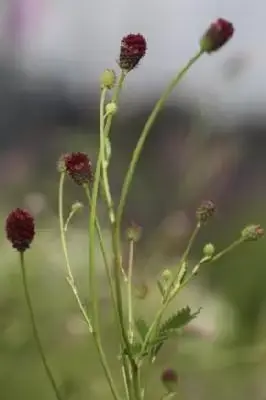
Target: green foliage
142,328
171,328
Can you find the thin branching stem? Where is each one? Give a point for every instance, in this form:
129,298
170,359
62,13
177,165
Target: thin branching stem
35,330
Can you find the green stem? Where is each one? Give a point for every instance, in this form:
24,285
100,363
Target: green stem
227,249
144,134
35,330
94,197
129,291
176,281
183,284
70,277
182,261
103,250
104,132
71,281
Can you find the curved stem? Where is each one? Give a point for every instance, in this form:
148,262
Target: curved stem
71,281
147,127
35,330
227,249
70,277
104,133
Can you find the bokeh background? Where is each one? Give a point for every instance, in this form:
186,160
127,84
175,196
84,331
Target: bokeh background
208,143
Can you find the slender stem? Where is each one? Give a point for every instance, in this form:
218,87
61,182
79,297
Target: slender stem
227,249
70,277
168,295
183,284
103,250
71,281
144,134
35,330
182,261
104,132
94,197
190,243
115,99
62,225
129,292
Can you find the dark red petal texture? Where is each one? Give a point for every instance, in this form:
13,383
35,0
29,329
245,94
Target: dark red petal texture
218,34
132,50
20,229
79,167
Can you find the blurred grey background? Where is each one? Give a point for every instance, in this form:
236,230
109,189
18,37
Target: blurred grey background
209,142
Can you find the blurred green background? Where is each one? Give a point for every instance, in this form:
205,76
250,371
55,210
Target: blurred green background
208,143
222,353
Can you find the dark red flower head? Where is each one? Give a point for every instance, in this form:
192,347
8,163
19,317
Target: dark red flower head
78,166
169,379
133,48
20,229
218,34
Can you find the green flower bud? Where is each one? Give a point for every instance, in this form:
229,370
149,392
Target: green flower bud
167,275
76,206
134,232
209,250
111,108
108,79
252,232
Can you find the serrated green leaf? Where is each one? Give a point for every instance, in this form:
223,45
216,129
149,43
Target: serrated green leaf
170,328
142,328
178,320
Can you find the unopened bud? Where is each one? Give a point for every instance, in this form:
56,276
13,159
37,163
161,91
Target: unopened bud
217,35
134,232
108,79
252,232
76,206
111,108
209,250
167,275
205,211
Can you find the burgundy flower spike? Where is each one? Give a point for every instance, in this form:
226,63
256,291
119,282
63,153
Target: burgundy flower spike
218,34
133,49
78,166
20,229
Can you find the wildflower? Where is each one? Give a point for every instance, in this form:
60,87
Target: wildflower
78,166
217,35
169,379
205,211
132,50
108,79
20,229
252,232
